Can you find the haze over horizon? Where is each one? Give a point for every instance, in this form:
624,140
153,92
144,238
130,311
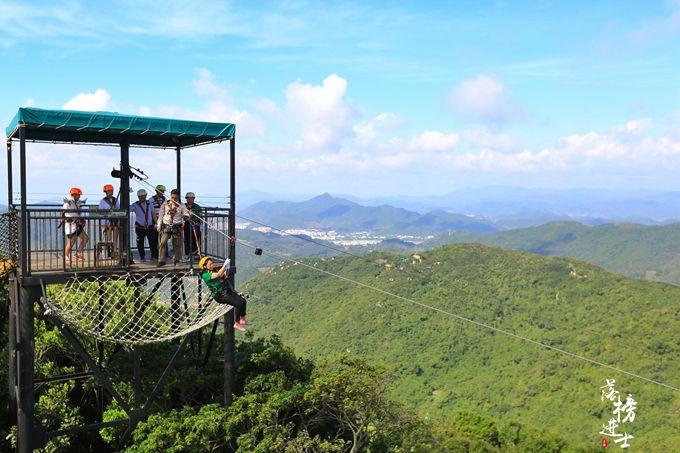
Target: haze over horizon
372,100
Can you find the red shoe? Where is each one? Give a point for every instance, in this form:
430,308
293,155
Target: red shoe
244,322
239,327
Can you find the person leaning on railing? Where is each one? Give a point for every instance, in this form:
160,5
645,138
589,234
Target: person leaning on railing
74,224
145,228
170,221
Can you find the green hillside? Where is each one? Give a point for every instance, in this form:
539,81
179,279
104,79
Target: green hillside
640,251
250,264
445,365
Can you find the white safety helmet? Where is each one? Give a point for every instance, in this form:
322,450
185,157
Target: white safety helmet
190,195
141,193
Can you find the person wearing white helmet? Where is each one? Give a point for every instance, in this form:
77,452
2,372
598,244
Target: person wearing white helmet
145,226
192,230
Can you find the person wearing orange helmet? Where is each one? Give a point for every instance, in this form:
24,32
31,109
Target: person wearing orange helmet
74,224
109,227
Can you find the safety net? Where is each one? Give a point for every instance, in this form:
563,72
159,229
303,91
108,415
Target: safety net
9,247
135,308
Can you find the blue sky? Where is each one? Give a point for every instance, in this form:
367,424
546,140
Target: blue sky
368,98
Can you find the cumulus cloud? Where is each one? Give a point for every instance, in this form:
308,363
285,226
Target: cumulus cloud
90,102
320,111
483,137
370,130
435,141
483,99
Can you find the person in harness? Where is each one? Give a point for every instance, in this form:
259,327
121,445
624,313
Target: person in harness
192,232
74,224
222,291
145,227
157,200
170,222
109,226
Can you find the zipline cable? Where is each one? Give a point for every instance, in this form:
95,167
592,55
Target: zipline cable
433,308
461,318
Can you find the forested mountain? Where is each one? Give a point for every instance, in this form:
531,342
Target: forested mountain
444,364
328,213
640,251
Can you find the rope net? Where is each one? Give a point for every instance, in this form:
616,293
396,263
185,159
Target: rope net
9,247
135,308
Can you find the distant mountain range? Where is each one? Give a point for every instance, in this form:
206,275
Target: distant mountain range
326,212
516,207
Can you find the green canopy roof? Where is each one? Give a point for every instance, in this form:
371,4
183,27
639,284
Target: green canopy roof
70,126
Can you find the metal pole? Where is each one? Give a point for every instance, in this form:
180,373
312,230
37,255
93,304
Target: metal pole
178,150
229,318
124,228
10,195
26,438
24,214
12,347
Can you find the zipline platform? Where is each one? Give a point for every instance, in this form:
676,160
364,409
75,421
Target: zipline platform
111,296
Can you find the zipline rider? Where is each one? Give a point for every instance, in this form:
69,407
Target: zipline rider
222,291
170,222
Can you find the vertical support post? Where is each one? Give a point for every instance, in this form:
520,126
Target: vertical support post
12,347
178,150
24,214
25,364
10,195
229,359
124,229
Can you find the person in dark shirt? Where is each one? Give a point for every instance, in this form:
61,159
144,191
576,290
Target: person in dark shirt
192,230
222,291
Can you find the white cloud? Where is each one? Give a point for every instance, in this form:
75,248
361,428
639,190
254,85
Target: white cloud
90,102
482,137
483,99
434,141
370,130
320,111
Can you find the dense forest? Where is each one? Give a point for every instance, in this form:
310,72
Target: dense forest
283,402
442,364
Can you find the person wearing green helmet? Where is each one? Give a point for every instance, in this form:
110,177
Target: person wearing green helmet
157,200
192,226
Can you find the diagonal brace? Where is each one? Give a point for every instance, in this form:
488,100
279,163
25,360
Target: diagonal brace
82,352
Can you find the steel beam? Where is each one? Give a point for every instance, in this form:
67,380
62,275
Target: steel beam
25,367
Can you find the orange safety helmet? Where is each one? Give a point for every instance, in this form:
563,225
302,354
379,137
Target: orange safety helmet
75,191
108,187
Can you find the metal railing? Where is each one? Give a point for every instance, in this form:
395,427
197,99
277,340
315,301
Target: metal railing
49,229
55,237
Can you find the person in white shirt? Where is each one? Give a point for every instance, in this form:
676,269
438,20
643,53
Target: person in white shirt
145,227
74,224
109,227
